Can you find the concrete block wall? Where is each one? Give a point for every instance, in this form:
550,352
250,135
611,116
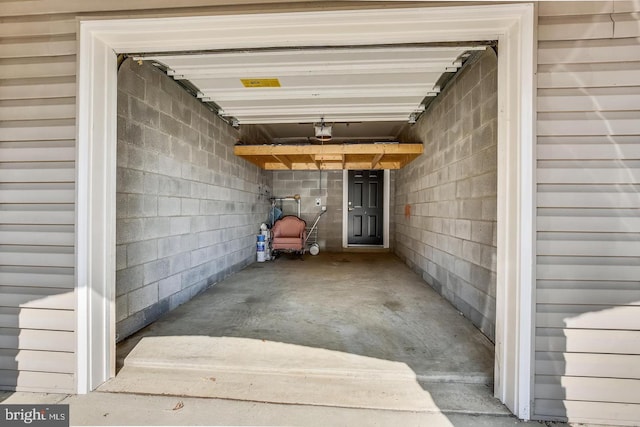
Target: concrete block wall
445,215
188,210
326,185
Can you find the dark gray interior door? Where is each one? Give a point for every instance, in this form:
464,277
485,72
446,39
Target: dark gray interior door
365,206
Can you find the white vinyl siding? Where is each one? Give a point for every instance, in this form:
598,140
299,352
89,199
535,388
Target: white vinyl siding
587,349
37,196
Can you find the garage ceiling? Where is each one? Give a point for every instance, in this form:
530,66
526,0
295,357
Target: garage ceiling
345,85
366,94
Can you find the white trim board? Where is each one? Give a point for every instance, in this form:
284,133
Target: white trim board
511,24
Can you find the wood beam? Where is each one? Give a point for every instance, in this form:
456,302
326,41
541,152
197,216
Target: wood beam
376,160
261,150
283,159
315,160
330,156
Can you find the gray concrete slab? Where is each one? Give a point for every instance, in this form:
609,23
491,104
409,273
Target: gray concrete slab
368,305
356,330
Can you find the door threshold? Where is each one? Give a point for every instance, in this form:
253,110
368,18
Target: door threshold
366,248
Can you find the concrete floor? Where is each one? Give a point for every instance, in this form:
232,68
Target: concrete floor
355,330
367,304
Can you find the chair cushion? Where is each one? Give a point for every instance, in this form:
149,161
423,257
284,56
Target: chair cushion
287,243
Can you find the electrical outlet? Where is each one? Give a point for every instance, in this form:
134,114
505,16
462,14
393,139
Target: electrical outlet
318,201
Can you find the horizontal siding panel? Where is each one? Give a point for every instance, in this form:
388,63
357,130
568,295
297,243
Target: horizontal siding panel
568,245
569,292
574,27
587,123
588,172
626,6
589,99
37,381
594,271
54,108
559,8
588,196
37,235
37,172
37,214
41,7
588,412
37,361
37,193
37,26
606,147
40,298
31,318
588,51
588,75
47,277
587,341
37,154
30,339
626,24
54,256
591,220
32,130
48,87
616,390
588,365
581,316
28,68
38,46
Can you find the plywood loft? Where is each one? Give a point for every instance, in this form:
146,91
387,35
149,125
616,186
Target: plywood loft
331,156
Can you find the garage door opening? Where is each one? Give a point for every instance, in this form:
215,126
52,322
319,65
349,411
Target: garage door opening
178,221
180,217
98,161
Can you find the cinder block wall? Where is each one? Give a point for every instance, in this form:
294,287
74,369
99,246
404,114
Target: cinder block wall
188,210
449,236
326,185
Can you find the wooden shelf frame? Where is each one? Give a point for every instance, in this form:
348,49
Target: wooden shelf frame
330,156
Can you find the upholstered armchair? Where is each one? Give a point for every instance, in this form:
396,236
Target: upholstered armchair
288,234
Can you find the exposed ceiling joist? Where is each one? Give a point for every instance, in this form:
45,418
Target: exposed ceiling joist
329,157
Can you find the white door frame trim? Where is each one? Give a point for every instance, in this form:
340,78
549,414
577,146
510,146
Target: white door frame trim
513,25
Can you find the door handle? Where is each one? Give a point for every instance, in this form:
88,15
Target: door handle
350,209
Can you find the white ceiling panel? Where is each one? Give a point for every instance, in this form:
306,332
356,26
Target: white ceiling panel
417,80
312,56
310,85
315,101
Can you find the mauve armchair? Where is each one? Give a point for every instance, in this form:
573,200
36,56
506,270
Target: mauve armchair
288,234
